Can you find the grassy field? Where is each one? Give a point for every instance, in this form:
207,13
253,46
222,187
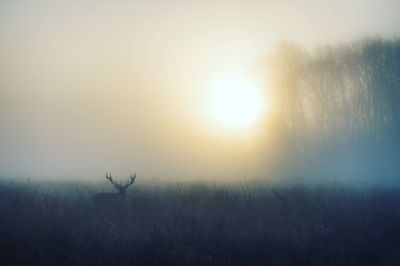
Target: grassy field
199,224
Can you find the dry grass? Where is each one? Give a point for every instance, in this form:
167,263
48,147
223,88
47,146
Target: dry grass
57,224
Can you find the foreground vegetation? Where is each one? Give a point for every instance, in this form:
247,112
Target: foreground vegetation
58,224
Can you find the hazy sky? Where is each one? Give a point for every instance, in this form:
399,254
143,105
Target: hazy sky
93,86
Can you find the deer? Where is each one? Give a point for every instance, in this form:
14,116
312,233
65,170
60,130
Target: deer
113,201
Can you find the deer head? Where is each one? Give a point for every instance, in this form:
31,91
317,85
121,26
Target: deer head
121,188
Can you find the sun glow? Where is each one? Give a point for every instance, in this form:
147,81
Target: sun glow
236,102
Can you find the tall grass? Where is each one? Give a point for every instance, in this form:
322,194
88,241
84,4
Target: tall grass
199,224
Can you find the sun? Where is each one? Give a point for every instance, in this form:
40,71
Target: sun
236,102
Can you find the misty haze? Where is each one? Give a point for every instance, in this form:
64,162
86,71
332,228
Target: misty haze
199,132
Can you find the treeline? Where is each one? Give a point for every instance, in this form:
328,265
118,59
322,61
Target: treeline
339,106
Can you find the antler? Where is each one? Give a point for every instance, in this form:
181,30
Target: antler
109,177
119,186
131,181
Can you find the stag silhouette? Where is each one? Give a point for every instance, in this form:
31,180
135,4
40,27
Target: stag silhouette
113,201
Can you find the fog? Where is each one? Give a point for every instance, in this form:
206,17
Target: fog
91,87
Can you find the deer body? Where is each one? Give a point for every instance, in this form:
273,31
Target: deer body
111,202
107,198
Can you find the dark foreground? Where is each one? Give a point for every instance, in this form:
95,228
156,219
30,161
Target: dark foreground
45,224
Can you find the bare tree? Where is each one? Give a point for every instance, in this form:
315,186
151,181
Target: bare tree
338,107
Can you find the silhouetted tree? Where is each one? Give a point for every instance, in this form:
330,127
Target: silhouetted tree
339,104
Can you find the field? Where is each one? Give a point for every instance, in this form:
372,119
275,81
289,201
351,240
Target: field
44,223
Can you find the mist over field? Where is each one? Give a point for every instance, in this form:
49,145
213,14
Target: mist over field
92,87
220,132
